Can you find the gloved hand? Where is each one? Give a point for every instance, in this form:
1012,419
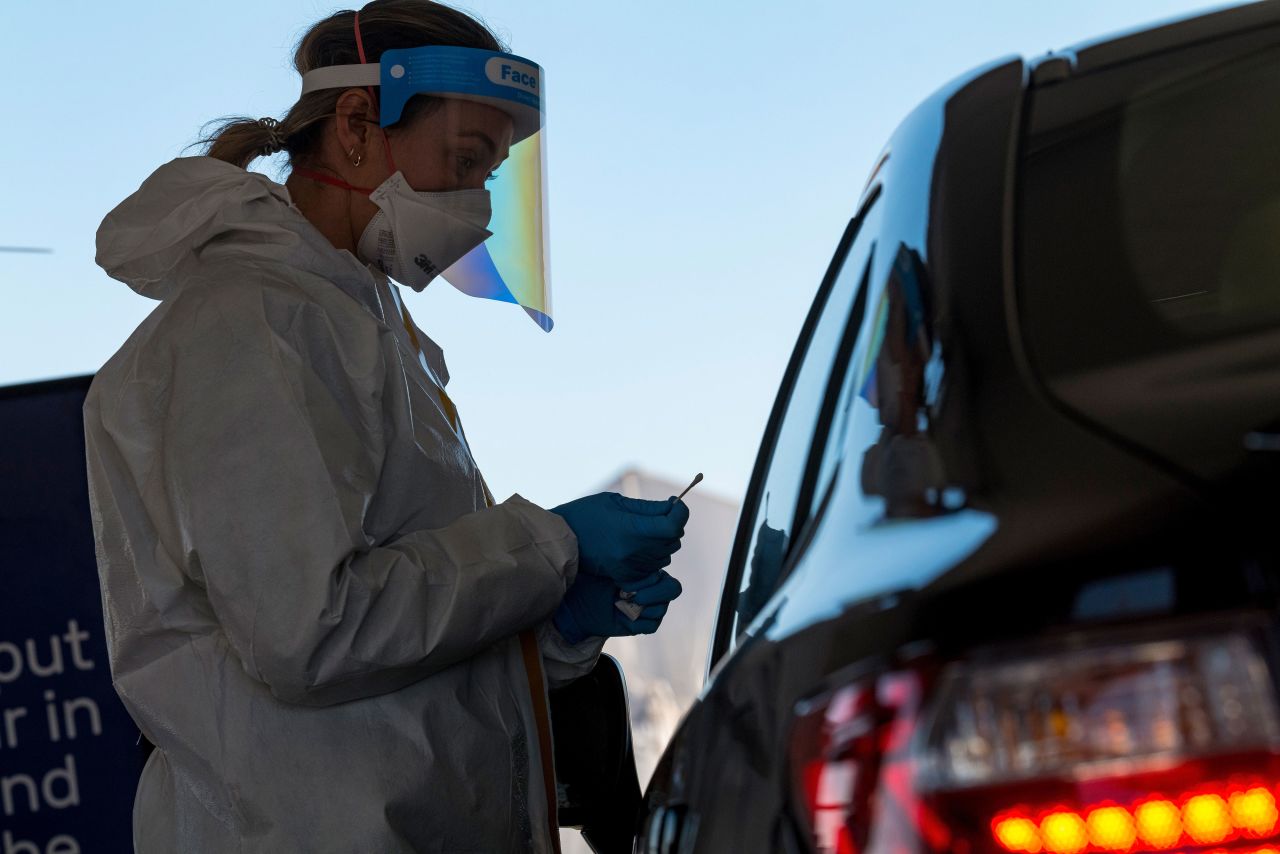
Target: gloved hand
625,539
587,610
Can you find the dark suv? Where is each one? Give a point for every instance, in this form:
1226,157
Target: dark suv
1006,576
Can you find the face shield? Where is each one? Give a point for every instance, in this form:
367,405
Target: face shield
512,265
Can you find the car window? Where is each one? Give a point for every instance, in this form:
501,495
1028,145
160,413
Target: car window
889,383
777,505
1151,208
1149,251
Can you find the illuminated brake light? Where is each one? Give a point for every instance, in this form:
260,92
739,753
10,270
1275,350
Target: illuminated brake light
1088,749
1019,834
1254,812
1159,824
1064,833
1156,824
1206,820
1112,829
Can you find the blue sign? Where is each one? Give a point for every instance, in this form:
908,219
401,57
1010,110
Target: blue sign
70,755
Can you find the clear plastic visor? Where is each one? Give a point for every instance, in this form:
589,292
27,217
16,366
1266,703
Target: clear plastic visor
513,265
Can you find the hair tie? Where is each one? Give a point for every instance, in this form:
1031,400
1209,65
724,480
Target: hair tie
275,138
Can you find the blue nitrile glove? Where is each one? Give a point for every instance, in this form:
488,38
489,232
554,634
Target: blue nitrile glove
625,539
587,610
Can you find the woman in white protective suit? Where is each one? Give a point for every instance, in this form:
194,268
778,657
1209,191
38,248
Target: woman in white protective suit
335,638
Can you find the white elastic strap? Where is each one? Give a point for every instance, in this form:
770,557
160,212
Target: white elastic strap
341,77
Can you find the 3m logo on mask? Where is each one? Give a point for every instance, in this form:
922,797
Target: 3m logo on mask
508,72
425,265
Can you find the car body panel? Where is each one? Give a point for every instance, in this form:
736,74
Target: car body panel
991,544
1116,48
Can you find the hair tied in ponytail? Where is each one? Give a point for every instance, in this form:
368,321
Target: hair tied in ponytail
275,136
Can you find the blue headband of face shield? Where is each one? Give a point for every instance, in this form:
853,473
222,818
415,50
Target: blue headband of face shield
513,265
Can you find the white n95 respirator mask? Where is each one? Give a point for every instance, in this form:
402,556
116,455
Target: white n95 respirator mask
417,235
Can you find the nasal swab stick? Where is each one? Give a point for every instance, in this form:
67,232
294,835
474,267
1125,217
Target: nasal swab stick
631,609
697,479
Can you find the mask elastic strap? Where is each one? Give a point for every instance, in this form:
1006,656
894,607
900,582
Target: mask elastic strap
385,140
329,179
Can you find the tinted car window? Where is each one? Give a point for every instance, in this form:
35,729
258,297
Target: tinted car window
881,418
1151,207
777,506
1149,265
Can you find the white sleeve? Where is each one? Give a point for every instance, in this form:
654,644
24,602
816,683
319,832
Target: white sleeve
564,662
269,464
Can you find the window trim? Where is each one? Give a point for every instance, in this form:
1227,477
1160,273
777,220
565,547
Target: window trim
826,416
722,630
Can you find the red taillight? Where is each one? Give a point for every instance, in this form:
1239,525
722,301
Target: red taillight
1166,746
1211,815
826,743
850,755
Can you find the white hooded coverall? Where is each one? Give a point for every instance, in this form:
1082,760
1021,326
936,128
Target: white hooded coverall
309,609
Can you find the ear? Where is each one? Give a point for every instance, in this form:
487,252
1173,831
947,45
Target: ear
355,120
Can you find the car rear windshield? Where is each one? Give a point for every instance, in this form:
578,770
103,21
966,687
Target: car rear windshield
1150,206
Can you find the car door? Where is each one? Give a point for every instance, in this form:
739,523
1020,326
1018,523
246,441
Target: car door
867,360
778,504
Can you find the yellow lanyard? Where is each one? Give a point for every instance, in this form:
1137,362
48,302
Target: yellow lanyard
528,640
450,411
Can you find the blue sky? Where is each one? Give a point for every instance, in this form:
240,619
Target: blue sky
704,158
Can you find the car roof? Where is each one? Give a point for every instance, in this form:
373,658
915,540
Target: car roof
1104,51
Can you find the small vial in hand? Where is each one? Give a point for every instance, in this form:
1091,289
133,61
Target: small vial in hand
631,609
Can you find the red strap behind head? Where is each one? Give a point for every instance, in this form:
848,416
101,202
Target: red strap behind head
329,179
360,41
363,61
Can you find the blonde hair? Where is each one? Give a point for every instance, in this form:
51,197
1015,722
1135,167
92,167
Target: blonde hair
384,25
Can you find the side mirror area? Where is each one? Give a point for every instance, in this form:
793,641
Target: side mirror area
599,790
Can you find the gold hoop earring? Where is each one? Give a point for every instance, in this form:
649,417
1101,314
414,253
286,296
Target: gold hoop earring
355,162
